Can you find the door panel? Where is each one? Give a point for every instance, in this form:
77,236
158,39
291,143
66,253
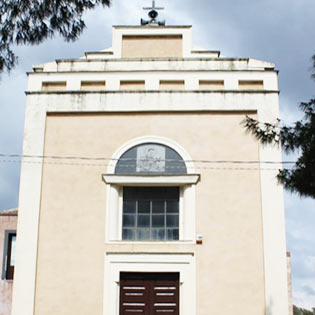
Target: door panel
134,297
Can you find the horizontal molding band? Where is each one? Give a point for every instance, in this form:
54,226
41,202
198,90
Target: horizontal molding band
155,92
152,180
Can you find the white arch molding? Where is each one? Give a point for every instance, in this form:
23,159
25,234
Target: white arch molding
151,139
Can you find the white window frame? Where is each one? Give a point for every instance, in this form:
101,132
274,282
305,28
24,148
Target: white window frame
116,182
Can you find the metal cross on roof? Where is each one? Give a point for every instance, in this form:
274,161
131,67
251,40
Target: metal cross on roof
153,7
153,14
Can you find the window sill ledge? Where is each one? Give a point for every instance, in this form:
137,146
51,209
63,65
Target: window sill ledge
6,280
151,242
147,248
152,179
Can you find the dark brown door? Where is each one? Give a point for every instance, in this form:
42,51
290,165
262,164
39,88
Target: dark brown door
149,293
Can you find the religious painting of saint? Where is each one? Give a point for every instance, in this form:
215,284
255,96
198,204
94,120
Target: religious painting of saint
151,158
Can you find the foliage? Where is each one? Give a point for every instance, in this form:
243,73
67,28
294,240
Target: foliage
302,311
298,138
33,21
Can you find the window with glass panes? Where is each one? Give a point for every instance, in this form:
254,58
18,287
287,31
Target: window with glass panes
150,214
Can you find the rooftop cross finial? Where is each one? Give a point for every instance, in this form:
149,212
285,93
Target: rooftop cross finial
153,7
153,14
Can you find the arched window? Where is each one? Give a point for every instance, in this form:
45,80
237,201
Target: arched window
150,192
151,158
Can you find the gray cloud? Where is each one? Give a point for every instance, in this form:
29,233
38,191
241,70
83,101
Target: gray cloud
279,31
302,267
308,290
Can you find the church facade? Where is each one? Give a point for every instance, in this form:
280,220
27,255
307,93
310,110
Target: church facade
141,192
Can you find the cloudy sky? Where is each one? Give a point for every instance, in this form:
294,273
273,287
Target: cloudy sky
280,31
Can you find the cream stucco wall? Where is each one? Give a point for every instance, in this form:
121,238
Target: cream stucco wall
266,103
71,256
132,85
172,85
155,46
93,85
211,85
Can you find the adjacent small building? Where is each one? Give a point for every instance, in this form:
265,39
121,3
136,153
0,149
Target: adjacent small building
8,223
142,192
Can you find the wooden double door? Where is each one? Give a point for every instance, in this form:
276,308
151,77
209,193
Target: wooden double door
149,294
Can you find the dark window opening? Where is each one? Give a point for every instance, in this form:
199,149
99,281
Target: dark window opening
9,255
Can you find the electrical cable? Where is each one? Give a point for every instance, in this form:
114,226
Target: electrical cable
169,167
21,156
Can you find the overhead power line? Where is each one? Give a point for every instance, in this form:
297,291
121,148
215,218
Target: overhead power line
105,165
21,156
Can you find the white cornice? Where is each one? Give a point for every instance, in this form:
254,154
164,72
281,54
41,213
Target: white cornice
153,180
